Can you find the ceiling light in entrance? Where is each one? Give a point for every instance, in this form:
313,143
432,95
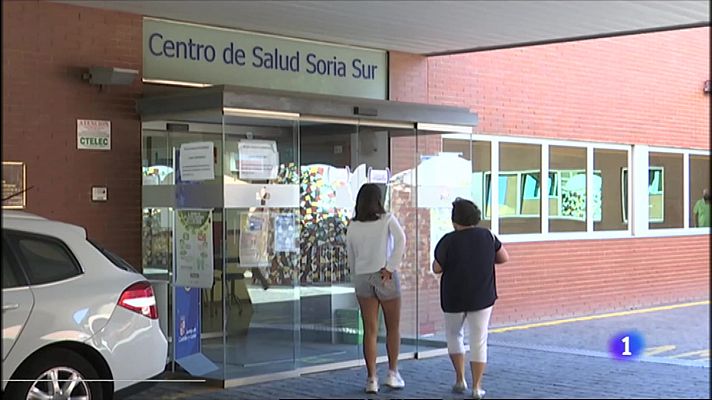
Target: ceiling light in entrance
247,112
444,128
176,83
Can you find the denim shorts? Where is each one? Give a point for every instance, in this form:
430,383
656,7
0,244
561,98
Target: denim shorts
371,285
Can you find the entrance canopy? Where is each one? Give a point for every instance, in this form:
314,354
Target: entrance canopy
199,105
430,27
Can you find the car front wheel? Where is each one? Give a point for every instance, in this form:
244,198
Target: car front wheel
54,375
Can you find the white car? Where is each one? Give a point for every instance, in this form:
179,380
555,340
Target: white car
77,321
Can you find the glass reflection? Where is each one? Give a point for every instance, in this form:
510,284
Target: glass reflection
567,190
665,190
519,188
612,166
699,184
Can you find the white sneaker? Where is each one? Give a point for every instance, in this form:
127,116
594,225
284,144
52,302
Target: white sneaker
459,387
478,393
394,380
372,385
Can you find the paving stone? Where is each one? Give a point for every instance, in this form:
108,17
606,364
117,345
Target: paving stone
511,373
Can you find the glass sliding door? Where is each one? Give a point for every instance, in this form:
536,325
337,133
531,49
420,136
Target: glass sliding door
281,195
157,220
163,196
337,158
196,197
256,274
330,175
246,200
401,202
382,149
449,165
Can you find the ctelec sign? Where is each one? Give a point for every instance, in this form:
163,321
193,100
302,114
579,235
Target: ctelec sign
176,51
93,134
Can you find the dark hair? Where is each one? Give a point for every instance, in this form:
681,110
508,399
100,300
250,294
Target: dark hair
465,212
368,203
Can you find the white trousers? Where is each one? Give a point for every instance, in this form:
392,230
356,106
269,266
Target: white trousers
477,323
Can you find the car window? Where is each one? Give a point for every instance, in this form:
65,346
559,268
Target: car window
11,275
115,259
45,259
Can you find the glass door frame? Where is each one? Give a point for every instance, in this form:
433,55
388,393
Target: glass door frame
194,106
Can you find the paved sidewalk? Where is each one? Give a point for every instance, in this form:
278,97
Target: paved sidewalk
511,373
679,334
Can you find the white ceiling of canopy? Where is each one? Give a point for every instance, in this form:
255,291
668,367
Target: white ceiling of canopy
428,27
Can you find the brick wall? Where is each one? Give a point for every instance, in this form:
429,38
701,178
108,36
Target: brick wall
634,89
554,279
630,89
408,77
550,280
46,47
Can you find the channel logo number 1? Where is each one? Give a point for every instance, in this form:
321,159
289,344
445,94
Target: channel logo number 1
626,351
626,345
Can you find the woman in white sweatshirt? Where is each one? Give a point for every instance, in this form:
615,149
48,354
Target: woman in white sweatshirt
375,244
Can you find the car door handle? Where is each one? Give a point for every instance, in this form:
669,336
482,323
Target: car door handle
8,307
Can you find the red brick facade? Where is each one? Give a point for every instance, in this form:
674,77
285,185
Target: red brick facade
631,89
643,89
46,48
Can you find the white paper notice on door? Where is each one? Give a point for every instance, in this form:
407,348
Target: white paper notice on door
379,175
258,159
197,161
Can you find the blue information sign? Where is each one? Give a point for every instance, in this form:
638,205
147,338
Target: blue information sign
187,322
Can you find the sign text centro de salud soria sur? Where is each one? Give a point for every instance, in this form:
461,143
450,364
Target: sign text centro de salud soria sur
184,52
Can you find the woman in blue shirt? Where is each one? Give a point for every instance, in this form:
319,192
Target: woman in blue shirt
466,258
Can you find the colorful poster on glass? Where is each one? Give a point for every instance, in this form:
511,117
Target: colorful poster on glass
254,239
285,233
194,248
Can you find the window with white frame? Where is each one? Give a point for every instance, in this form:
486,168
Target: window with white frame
516,191
656,192
611,162
479,153
570,195
579,174
519,194
698,203
665,190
